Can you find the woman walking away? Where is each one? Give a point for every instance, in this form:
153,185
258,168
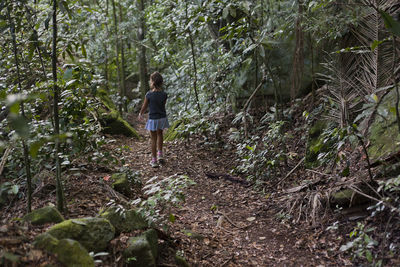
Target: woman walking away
155,99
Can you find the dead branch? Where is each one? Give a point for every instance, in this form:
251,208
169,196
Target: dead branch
289,173
231,222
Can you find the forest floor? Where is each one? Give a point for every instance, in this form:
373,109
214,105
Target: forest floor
223,222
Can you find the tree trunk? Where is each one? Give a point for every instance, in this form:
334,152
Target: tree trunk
123,76
59,190
24,146
194,65
298,57
144,85
117,56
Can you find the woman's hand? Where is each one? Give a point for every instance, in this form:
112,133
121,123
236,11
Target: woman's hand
140,117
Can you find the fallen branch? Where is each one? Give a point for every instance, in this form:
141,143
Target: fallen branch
289,173
231,222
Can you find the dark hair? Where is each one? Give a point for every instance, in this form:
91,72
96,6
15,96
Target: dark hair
157,79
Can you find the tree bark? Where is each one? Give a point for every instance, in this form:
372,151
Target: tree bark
117,55
123,75
24,146
59,189
144,85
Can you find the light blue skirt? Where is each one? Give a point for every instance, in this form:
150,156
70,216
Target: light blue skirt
158,124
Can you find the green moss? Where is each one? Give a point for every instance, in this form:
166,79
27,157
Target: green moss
127,221
105,99
173,131
71,253
121,183
44,215
113,124
140,251
46,242
93,233
384,133
181,261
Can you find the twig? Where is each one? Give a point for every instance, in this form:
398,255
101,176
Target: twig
231,222
317,172
289,173
372,198
4,158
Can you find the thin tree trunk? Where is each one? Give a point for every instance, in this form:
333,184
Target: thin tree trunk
24,146
59,189
144,85
117,54
123,75
298,57
194,65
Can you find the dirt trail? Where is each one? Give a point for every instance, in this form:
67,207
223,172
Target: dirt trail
229,224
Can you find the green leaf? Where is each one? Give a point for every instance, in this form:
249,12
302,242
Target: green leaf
390,23
20,125
368,255
84,51
172,218
375,98
14,189
34,148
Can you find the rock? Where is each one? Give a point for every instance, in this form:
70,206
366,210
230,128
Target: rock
126,221
142,250
69,252
181,261
46,242
111,120
347,198
48,214
72,253
121,183
113,124
93,233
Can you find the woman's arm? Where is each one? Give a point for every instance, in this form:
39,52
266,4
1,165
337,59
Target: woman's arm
144,107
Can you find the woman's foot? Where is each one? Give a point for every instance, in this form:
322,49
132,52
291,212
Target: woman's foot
154,163
160,157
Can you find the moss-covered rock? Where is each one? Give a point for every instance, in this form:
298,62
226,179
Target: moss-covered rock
113,123
142,250
384,133
121,183
173,131
72,254
46,242
126,221
111,120
69,252
48,214
347,198
93,233
181,261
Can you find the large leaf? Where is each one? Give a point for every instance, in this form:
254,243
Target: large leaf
390,23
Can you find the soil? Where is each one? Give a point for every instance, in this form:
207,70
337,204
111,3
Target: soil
223,222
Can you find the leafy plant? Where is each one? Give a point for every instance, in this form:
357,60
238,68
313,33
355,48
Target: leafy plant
362,245
161,195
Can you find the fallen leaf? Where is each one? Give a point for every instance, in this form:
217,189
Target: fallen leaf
106,178
250,219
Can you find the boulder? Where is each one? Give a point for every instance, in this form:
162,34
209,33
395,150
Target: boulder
121,183
48,214
46,242
113,123
181,261
72,253
93,233
124,221
142,250
69,252
111,120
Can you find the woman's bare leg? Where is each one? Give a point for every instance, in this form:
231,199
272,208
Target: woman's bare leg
153,135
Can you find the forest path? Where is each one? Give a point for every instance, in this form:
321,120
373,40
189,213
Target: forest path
224,222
